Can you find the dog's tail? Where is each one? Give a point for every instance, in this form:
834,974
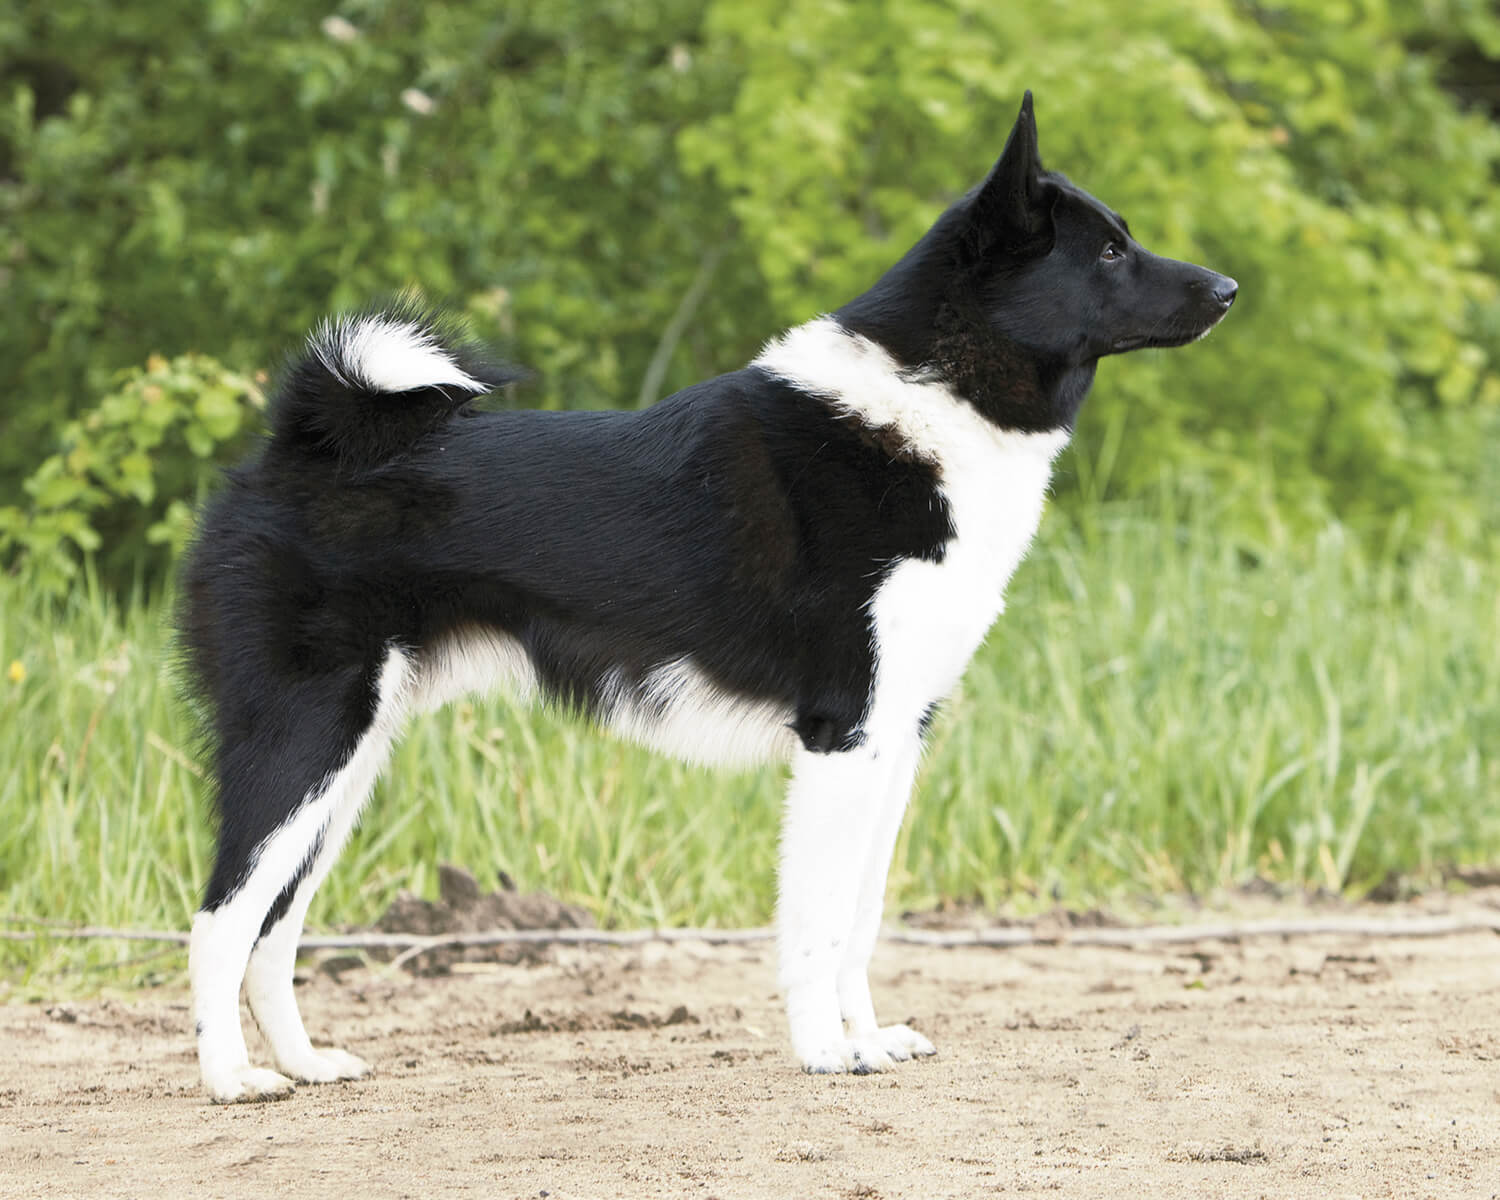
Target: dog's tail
369,384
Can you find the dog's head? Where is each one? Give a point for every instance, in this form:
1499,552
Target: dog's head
1021,287
1060,273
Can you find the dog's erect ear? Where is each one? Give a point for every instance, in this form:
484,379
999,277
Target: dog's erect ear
1010,208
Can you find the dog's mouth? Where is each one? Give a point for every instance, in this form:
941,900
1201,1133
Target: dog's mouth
1160,341
1167,337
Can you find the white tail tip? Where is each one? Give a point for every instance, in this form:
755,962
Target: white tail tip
385,354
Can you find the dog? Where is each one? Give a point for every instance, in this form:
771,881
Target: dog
795,560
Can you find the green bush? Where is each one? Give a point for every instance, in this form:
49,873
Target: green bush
118,488
215,177
631,196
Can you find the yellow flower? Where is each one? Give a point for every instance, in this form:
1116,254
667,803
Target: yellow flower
17,671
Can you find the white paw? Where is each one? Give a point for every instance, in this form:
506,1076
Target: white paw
249,1085
902,1042
326,1066
855,1056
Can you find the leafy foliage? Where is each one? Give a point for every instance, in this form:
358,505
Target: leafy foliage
118,487
633,195
217,176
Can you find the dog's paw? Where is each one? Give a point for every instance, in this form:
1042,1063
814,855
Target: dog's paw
249,1085
902,1042
326,1066
853,1056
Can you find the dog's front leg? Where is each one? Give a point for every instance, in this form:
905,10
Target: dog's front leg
900,1042
832,824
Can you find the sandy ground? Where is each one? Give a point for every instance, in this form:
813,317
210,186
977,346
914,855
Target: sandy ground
1318,1067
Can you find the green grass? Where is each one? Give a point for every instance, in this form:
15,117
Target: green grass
1162,708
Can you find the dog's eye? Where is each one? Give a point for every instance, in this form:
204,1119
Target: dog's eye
1113,252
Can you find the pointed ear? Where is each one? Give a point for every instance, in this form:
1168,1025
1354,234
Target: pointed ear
1010,206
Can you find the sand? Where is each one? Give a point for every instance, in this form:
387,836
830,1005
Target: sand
1323,1067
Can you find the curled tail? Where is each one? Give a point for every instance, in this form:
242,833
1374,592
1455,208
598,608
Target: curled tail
367,385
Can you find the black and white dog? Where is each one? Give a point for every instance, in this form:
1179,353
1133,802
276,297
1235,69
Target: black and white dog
795,560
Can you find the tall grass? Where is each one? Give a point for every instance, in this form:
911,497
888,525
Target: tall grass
1162,708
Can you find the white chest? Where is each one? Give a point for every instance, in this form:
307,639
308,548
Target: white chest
930,617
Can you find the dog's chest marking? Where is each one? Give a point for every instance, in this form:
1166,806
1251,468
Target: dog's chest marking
929,616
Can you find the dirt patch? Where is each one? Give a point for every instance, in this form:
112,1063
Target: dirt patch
1319,1067
462,907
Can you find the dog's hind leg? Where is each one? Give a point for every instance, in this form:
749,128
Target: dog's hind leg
254,919
831,829
268,978
900,1042
224,932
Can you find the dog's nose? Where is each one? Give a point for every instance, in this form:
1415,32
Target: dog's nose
1225,291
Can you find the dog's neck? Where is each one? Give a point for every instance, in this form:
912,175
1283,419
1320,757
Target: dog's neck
1011,386
910,314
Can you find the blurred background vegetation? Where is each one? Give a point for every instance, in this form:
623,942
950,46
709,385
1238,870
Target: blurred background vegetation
630,196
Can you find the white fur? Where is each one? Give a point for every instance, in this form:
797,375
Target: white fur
377,352
679,711
220,949
844,810
475,661
827,835
675,709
